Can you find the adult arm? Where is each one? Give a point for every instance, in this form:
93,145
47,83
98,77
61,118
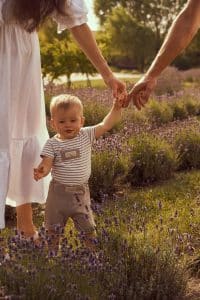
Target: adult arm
84,37
178,38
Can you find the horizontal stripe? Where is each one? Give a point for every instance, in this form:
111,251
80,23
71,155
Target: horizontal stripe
72,157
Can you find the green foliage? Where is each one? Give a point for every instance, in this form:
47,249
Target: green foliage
160,279
187,146
124,270
141,272
155,14
136,250
60,55
58,59
136,117
129,39
94,113
159,112
184,107
107,169
179,110
191,106
152,160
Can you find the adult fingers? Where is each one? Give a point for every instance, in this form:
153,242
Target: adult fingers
136,102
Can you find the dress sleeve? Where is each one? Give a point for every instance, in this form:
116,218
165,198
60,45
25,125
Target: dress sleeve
1,16
76,14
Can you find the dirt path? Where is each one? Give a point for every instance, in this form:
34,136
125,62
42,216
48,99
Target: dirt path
193,292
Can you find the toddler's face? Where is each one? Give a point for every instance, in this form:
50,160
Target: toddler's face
68,122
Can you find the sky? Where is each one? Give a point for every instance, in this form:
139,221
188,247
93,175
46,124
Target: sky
92,19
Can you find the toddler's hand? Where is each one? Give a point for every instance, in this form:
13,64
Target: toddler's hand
38,173
119,101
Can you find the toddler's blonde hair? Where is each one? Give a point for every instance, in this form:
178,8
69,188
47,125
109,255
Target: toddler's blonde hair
64,101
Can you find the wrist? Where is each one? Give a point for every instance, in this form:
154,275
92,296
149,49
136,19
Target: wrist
106,73
155,70
117,107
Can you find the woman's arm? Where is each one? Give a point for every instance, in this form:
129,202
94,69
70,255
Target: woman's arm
84,37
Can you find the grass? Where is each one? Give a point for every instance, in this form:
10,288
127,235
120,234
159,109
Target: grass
146,239
176,202
157,222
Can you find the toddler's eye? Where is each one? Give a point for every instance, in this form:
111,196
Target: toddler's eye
61,122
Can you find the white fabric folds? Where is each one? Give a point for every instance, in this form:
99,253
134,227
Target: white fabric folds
22,110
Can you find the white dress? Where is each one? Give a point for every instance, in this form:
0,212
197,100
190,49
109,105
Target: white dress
22,111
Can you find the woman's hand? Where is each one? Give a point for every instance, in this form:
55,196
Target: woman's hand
118,90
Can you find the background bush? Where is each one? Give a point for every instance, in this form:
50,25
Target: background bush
159,112
152,160
137,271
95,113
187,145
107,168
124,270
191,106
169,82
179,110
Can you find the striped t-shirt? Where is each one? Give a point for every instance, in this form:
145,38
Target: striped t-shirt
72,157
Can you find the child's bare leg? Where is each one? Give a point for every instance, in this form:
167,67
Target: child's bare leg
25,220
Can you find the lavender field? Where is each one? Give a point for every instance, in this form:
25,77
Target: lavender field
146,199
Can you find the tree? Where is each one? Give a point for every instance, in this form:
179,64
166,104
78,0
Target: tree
129,39
155,14
83,65
60,55
58,58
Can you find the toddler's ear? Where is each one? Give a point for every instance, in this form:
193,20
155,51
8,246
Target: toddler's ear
82,121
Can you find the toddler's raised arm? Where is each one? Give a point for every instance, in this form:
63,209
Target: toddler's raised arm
110,120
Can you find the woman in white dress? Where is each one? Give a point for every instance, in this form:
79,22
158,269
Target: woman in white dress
22,113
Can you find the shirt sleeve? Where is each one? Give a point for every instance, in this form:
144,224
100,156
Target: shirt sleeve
90,132
48,149
76,14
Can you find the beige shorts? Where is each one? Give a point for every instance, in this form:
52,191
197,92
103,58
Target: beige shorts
69,201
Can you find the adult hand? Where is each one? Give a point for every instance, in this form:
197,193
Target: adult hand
118,89
141,91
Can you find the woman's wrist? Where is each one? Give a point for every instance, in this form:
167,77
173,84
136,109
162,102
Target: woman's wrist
106,73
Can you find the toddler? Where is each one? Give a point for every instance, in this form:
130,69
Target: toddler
68,156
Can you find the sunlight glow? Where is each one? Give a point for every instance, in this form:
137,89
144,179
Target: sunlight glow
92,19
